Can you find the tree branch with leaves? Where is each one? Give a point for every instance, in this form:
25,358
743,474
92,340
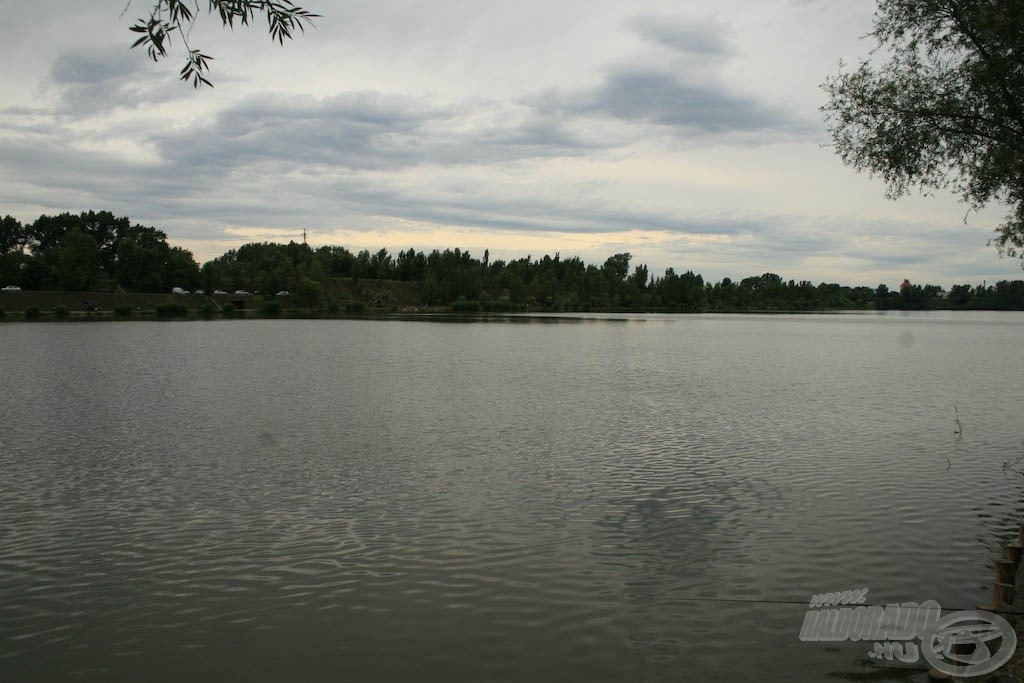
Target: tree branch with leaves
169,18
944,109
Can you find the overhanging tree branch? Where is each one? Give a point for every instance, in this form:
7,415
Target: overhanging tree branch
168,17
945,109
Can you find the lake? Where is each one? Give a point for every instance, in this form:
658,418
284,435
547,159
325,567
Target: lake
559,498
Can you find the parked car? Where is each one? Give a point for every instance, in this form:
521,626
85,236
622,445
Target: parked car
11,288
283,292
200,291
178,290
241,292
218,291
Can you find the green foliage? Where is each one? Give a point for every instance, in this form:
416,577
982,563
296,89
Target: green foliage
122,311
206,310
12,235
272,309
76,262
464,306
449,275
93,250
1004,295
500,306
304,290
617,266
33,312
946,108
145,262
3,314
176,17
13,267
171,309
266,267
60,312
410,265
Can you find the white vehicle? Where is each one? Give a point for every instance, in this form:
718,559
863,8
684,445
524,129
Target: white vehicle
11,288
200,291
219,291
283,292
178,290
241,292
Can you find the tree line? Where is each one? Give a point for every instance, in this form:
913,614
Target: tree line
90,251
96,251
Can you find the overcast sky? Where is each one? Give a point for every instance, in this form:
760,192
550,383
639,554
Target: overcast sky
687,133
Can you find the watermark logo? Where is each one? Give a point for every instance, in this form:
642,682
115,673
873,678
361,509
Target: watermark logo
959,644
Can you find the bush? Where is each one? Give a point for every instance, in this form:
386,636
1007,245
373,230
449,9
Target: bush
122,311
206,310
169,309
502,305
272,309
3,314
32,312
463,306
227,310
61,312
355,307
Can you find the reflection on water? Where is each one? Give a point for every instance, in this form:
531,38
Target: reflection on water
633,498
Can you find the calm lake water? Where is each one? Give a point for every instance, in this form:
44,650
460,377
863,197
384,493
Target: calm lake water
588,498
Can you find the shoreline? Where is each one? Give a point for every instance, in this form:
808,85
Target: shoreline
436,313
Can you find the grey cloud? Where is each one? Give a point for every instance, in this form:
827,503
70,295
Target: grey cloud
51,173
52,166
579,212
157,193
364,131
91,66
98,80
659,97
693,37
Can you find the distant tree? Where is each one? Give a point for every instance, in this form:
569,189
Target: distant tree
106,229
959,295
75,262
381,265
181,267
617,266
336,261
1009,295
170,17
12,235
410,265
140,259
45,233
12,268
361,266
946,110
640,277
685,292
912,297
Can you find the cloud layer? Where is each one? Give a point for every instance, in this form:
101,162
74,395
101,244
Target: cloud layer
648,127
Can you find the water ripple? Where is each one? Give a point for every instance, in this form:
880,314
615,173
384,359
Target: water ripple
367,500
